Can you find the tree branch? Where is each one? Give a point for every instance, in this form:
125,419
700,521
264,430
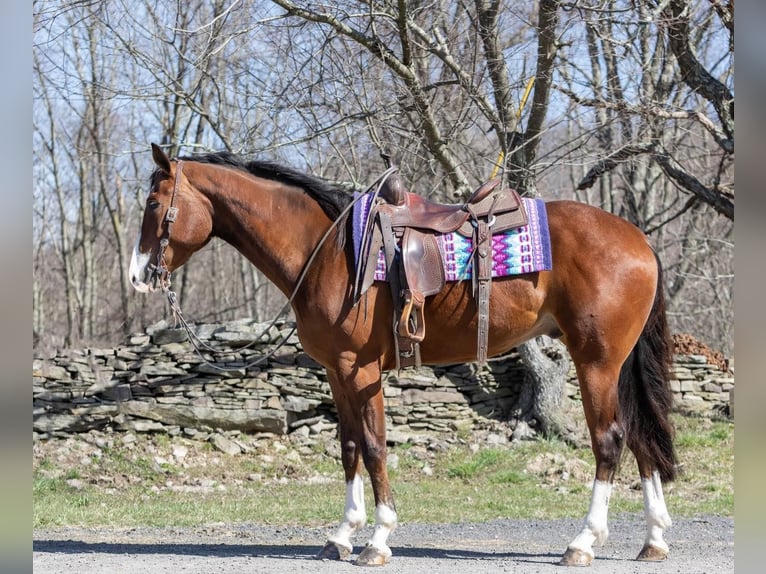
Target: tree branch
718,201
655,111
693,73
521,160
438,47
611,161
715,199
432,134
546,55
487,12
726,14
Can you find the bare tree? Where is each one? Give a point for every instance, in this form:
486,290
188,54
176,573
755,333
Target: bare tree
58,233
656,127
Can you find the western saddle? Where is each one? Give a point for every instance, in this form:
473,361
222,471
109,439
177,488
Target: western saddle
406,226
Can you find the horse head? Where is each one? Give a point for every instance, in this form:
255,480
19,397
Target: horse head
175,224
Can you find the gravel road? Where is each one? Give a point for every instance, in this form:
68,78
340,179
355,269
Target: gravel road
700,545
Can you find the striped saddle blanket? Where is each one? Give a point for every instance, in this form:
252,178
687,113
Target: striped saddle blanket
526,249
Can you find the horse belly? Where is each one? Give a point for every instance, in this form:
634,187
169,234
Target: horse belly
516,314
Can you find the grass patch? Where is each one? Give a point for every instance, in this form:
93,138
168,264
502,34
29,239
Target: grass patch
706,459
480,463
144,485
290,504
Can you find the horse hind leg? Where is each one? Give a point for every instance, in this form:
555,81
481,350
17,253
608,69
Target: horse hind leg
598,388
645,403
650,437
657,517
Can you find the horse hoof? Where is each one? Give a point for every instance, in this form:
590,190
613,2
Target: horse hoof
372,556
652,554
334,551
575,557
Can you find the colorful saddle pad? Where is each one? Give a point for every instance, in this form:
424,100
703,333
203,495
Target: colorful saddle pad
525,249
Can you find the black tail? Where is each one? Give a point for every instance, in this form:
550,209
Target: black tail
644,391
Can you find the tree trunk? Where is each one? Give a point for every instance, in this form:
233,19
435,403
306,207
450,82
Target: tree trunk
542,401
38,312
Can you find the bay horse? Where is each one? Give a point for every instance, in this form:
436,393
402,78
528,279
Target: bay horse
603,298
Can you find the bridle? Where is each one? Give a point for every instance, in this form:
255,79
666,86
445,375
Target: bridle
160,272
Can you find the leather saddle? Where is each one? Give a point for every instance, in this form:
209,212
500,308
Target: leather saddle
406,226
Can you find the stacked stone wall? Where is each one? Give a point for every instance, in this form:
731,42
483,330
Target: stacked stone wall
157,382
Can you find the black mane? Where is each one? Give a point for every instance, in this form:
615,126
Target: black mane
329,197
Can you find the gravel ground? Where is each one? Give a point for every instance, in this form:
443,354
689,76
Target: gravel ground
700,545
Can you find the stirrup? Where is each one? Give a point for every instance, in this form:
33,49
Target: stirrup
411,324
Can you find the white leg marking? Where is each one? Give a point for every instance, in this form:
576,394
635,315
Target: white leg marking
137,269
595,529
354,516
655,511
385,523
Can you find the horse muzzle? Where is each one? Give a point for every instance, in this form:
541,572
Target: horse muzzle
143,275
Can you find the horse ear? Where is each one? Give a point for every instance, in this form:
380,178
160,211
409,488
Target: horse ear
160,158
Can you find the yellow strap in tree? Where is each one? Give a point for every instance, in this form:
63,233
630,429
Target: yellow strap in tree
501,155
527,90
498,163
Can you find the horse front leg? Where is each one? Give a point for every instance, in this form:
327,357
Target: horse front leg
339,545
359,401
374,454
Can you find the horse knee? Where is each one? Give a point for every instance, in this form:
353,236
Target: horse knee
374,452
348,447
374,455
350,457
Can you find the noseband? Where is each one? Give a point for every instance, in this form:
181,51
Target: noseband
160,271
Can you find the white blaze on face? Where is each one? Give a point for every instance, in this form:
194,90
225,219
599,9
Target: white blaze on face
137,271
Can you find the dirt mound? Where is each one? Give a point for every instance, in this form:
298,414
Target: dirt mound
685,344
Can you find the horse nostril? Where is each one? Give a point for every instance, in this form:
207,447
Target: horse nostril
139,285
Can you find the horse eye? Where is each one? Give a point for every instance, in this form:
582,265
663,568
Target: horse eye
153,204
